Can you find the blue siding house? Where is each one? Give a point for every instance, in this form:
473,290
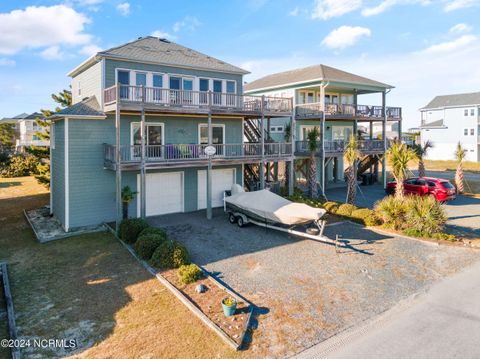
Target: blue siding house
143,115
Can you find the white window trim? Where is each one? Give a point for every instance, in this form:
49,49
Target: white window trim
200,125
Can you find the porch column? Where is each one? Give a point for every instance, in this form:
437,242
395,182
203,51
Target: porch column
209,168
384,138
371,130
118,170
262,143
268,165
355,129
291,173
143,186
322,97
322,139
400,130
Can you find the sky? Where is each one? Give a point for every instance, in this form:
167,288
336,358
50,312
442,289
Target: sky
422,47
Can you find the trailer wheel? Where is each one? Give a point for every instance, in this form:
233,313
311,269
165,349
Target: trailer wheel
232,219
240,221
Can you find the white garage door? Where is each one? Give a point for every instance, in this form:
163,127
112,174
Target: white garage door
164,193
222,180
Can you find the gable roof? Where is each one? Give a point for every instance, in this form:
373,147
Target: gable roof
434,124
463,99
154,50
309,74
89,107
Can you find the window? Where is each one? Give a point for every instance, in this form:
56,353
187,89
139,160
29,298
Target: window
472,112
217,92
203,85
140,80
472,132
465,113
157,82
341,132
188,84
231,87
35,138
218,133
276,129
123,78
465,131
175,83
153,140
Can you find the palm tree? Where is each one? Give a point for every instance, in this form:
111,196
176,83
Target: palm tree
351,154
460,154
398,157
288,138
312,143
421,153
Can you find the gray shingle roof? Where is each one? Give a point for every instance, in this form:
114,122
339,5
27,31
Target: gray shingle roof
154,50
463,99
87,107
308,74
438,123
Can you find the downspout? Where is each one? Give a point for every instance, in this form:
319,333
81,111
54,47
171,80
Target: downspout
67,176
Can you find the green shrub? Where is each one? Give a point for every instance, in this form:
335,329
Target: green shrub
366,216
346,209
152,230
444,236
130,229
170,254
391,212
189,273
147,243
425,214
19,165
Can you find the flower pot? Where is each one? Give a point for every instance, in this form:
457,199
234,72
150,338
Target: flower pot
229,310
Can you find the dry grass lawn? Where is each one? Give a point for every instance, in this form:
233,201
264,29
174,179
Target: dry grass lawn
89,288
451,166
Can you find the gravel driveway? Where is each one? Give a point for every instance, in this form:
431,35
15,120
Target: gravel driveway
305,291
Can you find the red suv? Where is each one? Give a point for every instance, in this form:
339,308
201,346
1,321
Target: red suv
441,189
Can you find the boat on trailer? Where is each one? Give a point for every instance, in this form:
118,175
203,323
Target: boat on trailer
269,210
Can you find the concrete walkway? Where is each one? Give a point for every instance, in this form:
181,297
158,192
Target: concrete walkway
442,323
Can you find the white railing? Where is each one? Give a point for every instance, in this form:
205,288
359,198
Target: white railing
348,110
338,146
196,99
27,143
193,152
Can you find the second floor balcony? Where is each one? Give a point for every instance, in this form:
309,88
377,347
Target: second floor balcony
332,147
345,111
156,98
194,154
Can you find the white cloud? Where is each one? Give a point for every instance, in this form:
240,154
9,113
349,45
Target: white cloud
386,4
325,9
163,35
6,62
345,36
90,50
460,28
52,53
294,12
124,8
89,2
450,46
189,23
452,5
41,26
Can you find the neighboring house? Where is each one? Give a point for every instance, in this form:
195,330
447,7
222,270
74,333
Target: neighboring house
143,114
318,90
14,121
28,130
450,119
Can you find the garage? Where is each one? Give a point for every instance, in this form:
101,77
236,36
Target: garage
164,193
222,180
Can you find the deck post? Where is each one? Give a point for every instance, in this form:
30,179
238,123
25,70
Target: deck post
268,165
209,168
143,184
291,173
118,165
323,154
262,141
371,131
400,130
384,139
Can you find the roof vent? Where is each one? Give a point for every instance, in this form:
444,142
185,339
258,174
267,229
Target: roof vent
164,40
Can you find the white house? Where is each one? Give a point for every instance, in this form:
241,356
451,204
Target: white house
27,129
450,119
